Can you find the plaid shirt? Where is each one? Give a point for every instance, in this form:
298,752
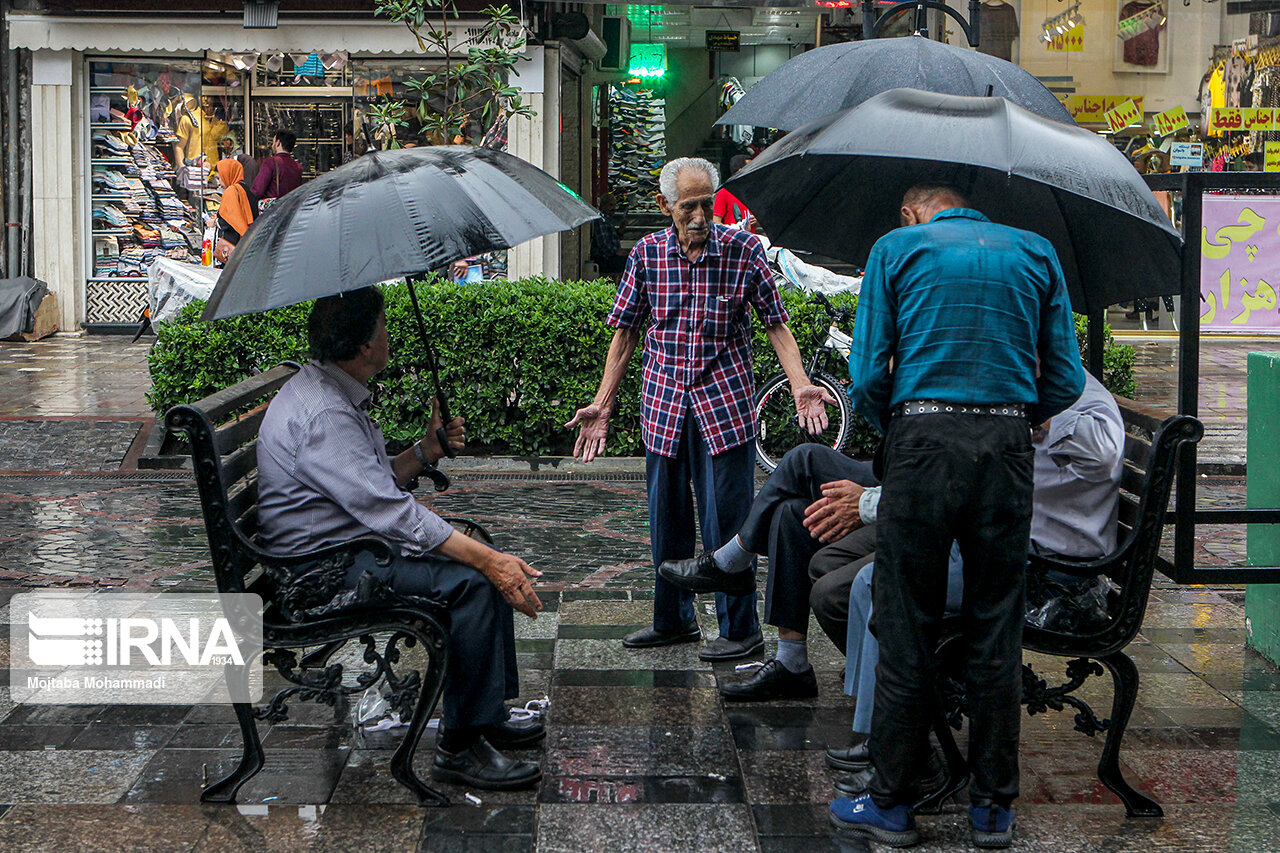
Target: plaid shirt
697,347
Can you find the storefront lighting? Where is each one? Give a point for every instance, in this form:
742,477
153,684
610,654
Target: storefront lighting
648,60
1061,24
244,61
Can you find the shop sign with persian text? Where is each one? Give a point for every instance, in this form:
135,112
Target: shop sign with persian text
1239,262
1123,115
1170,121
724,41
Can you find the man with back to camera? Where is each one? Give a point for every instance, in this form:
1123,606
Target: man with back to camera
325,477
280,173
689,289
954,312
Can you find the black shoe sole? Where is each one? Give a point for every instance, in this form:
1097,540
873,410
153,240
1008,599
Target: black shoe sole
993,840
441,774
905,838
746,653
730,697
674,641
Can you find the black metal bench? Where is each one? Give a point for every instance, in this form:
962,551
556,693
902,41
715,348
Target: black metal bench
304,604
1151,449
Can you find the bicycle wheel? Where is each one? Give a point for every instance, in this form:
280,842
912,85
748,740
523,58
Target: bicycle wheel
778,429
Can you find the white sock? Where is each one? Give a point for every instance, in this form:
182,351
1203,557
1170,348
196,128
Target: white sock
732,557
793,654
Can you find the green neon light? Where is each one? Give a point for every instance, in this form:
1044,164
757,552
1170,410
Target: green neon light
648,60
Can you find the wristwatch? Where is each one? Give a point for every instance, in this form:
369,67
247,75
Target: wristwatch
422,457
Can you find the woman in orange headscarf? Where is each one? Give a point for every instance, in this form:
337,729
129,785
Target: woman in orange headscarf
238,209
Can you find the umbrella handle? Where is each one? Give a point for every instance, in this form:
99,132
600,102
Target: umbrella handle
433,364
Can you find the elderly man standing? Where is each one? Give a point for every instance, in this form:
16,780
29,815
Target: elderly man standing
954,315
689,288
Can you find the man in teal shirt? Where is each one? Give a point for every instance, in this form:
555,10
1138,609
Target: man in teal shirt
963,340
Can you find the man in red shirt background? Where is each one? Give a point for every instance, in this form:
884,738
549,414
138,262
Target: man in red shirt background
728,209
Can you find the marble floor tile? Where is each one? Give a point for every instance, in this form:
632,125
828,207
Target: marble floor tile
635,706
610,654
314,828
787,776
69,776
640,751
102,828
567,828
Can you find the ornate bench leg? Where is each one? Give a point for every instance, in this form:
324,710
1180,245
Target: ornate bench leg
1125,676
224,790
320,657
432,685
957,769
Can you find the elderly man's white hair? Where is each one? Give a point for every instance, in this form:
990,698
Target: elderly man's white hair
671,171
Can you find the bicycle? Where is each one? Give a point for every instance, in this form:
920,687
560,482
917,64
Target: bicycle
778,428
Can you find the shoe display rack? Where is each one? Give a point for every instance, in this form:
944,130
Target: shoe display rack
637,147
140,210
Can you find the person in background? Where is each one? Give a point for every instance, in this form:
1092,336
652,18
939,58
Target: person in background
728,210
236,211
465,271
606,244
280,173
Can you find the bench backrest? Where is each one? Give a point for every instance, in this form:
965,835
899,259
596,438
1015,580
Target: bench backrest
1151,449
224,454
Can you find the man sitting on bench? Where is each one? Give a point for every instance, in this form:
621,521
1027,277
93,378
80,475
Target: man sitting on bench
325,477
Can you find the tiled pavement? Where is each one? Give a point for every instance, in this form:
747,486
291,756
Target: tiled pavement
642,754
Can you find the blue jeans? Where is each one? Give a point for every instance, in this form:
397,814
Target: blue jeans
724,485
863,650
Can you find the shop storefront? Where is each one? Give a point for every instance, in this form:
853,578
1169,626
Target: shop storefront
131,116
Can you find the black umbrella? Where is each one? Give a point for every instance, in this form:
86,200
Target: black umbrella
839,76
390,214
835,186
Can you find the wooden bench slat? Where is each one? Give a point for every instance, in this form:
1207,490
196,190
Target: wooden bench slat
244,500
239,464
217,406
245,428
1132,480
1142,415
1137,450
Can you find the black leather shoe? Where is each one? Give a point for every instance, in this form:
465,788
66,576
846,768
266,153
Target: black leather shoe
512,734
651,638
772,681
929,783
482,766
700,574
722,649
515,734
852,759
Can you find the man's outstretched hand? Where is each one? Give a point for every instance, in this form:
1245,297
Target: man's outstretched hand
811,407
593,428
834,515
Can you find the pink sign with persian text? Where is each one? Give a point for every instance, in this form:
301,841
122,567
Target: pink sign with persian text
1240,263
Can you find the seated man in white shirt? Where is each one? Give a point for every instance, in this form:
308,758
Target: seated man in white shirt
325,477
1079,457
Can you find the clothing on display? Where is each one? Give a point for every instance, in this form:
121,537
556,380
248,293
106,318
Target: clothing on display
1144,48
997,30
637,147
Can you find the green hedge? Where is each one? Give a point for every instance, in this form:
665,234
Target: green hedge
519,357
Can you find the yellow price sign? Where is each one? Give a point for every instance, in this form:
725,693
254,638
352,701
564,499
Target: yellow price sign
1271,161
1256,120
1123,115
1225,119
1170,121
1072,41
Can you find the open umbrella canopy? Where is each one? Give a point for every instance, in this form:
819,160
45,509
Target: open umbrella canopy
835,187
389,214
839,76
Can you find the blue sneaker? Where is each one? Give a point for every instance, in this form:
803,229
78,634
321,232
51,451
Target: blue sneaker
991,826
895,827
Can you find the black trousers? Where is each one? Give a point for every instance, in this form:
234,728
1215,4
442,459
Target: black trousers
965,478
482,668
831,571
775,526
